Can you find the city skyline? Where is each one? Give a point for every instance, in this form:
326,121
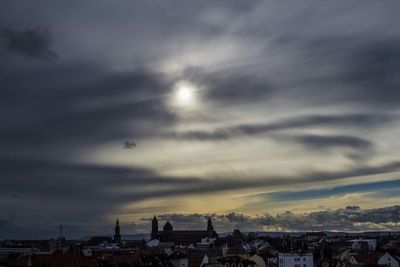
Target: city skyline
273,116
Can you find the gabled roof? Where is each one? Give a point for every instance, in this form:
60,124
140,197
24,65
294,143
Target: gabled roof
394,255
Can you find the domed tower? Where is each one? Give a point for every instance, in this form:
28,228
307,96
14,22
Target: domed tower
168,232
210,228
168,227
117,234
154,228
237,236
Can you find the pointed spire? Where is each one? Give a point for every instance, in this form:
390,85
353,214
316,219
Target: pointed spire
117,234
209,224
210,228
154,228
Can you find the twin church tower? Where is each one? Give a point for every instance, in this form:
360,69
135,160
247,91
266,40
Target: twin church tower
181,237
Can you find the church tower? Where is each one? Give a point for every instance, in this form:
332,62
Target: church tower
210,228
117,234
168,233
154,228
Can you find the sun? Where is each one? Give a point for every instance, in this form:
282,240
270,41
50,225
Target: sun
184,94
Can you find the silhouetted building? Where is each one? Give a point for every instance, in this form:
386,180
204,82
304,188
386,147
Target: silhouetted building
154,228
235,242
210,229
117,234
182,237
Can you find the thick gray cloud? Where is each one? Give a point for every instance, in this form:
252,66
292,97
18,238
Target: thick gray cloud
309,121
360,149
59,109
321,142
366,72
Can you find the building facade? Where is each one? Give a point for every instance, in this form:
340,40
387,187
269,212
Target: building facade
181,237
296,259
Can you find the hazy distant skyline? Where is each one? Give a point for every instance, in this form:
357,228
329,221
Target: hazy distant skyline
242,110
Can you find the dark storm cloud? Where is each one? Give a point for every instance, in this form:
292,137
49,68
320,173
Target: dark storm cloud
354,148
375,70
309,121
361,70
71,177
320,142
64,108
351,218
31,43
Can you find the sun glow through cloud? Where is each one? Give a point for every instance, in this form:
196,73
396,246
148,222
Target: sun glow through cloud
184,95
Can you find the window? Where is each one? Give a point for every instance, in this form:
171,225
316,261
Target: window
304,265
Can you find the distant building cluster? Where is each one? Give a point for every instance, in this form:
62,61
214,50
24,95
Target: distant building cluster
206,248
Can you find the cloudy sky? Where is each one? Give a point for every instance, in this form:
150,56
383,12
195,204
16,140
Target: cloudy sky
273,115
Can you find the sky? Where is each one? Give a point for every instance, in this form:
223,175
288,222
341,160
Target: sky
269,115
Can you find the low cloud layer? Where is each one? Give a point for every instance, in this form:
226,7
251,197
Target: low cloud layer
351,218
